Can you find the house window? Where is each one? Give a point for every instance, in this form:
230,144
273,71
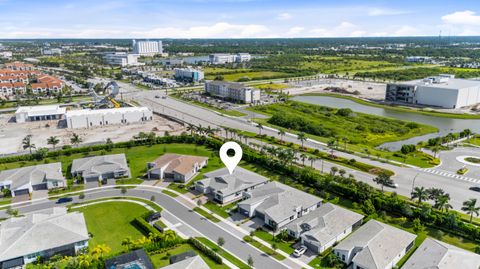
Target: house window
55,184
291,217
343,257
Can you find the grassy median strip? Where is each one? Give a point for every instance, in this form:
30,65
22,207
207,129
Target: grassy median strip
206,214
220,251
264,248
169,193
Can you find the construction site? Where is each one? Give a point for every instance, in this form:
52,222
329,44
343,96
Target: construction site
94,121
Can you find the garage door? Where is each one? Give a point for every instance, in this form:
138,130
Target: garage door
21,192
312,247
42,186
91,179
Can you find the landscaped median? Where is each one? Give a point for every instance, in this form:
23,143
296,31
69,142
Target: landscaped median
206,214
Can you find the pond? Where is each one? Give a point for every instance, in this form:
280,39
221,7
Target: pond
444,125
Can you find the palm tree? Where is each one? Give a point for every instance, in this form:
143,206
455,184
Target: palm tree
333,170
53,140
27,143
383,180
312,159
420,193
441,203
435,150
345,140
127,242
470,207
100,250
260,128
75,139
302,137
281,133
191,128
169,235
303,157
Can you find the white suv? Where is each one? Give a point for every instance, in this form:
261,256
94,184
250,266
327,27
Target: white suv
299,251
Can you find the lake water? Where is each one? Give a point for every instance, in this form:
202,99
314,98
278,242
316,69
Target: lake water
444,125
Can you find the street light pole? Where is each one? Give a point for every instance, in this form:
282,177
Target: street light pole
413,183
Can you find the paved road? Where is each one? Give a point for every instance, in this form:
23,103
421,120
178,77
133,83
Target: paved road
208,229
405,177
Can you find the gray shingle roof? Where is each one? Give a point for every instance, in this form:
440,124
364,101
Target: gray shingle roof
32,174
380,244
40,231
220,180
279,201
325,222
97,165
190,263
435,254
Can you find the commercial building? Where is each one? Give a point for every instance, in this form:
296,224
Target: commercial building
37,113
233,91
25,180
375,245
101,168
435,254
42,234
226,187
52,51
324,227
147,48
223,58
121,58
277,204
6,54
440,91
176,167
101,117
188,74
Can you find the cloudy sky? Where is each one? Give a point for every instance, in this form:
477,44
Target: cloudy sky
236,18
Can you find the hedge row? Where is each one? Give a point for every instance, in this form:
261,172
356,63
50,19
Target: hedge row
144,226
205,250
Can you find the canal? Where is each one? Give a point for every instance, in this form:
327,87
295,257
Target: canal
444,125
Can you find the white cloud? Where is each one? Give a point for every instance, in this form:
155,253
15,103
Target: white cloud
384,12
284,16
466,17
294,31
406,30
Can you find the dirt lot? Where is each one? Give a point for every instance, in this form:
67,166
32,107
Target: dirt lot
12,133
368,90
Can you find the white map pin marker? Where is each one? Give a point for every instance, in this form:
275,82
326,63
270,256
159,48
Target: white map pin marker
231,162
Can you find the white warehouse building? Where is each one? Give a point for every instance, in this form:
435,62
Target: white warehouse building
102,117
38,113
122,59
440,91
189,74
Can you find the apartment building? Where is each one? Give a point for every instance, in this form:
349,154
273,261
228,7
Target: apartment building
233,91
19,66
147,48
12,88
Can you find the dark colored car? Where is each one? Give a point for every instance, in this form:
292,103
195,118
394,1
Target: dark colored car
64,200
476,188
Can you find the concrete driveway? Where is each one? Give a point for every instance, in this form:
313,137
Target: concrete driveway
39,194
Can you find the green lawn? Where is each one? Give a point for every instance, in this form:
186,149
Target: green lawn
162,259
110,223
222,211
169,193
220,251
272,86
206,214
284,246
267,250
251,75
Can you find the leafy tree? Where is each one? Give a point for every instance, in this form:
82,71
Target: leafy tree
250,261
383,179
220,241
368,207
75,139
418,226
12,212
470,207
441,203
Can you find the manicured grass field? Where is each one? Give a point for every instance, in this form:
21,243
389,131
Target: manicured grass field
206,214
222,211
110,223
252,75
284,246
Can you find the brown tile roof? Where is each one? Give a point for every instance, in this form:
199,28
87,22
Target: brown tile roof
181,164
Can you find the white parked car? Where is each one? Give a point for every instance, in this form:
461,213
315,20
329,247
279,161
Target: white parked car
300,251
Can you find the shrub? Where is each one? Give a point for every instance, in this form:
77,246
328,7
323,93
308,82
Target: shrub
144,226
205,250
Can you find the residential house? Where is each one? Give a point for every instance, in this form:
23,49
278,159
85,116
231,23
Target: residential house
226,187
324,226
101,168
179,168
278,204
24,180
11,88
187,260
42,234
375,245
435,254
133,259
